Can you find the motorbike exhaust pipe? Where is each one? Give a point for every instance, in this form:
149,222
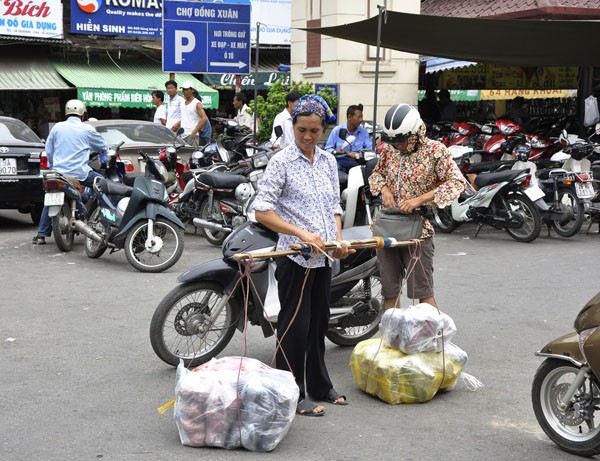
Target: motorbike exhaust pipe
211,225
86,230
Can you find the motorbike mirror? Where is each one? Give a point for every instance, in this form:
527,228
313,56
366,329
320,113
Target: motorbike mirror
180,131
278,131
563,138
343,133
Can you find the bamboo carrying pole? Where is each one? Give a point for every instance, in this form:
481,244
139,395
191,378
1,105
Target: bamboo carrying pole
299,248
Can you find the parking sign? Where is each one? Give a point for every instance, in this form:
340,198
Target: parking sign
206,37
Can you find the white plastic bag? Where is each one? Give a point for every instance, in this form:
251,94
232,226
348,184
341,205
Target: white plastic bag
272,306
591,116
420,328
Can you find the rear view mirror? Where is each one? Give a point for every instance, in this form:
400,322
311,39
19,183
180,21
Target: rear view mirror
278,131
343,133
180,131
563,138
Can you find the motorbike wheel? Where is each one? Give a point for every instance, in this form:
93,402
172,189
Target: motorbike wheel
94,249
145,260
64,235
532,222
569,202
351,336
215,238
575,430
442,217
183,326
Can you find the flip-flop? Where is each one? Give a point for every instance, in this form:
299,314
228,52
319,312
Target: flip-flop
334,398
305,408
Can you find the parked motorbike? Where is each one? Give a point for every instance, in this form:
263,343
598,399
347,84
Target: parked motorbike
196,320
566,388
501,201
65,197
137,220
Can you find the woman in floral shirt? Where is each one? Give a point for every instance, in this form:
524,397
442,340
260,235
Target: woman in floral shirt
299,197
413,171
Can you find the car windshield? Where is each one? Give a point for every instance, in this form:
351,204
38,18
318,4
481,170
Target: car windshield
142,134
16,132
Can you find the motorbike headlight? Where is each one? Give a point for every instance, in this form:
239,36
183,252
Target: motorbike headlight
162,171
260,161
197,154
583,337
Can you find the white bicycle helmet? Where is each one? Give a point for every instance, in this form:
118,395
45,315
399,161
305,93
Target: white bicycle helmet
400,122
243,192
75,107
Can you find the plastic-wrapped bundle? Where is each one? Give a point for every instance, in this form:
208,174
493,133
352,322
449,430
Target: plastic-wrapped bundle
416,328
234,402
395,377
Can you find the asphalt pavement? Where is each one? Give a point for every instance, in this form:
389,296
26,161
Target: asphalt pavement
79,379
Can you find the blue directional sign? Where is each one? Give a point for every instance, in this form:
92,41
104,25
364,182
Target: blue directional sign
206,36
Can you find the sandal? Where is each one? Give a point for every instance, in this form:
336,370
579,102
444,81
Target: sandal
334,398
305,408
39,240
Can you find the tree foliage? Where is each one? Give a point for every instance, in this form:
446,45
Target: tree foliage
275,102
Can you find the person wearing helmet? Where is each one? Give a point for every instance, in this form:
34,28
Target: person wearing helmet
68,148
412,172
298,197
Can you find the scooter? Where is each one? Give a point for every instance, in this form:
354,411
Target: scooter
196,320
566,388
137,220
503,200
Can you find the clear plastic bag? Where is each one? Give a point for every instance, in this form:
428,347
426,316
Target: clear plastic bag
234,402
419,328
396,377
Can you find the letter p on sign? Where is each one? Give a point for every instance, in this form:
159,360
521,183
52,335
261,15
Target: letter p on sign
185,42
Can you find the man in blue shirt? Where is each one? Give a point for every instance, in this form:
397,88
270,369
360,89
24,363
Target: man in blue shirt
343,149
68,148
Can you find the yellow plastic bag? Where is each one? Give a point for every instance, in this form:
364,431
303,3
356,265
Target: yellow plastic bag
396,377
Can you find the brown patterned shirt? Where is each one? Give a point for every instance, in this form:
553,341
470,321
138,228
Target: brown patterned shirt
408,176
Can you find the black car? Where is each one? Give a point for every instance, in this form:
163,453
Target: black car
21,181
140,135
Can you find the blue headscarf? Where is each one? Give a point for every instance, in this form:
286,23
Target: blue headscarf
316,105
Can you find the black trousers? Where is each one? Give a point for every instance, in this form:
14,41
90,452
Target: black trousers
304,341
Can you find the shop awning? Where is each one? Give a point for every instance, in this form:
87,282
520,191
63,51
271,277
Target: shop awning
437,64
102,82
500,41
24,73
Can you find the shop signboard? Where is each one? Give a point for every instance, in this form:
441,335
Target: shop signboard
206,37
275,18
528,94
32,18
136,18
264,80
138,99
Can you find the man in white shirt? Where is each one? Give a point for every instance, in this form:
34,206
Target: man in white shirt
284,120
174,102
160,116
242,116
193,117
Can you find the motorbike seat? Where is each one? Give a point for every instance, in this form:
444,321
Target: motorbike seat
221,180
485,179
114,188
357,233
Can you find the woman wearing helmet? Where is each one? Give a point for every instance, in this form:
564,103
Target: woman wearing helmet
412,171
299,198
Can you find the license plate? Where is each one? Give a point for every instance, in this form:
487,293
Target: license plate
54,198
8,166
584,190
534,193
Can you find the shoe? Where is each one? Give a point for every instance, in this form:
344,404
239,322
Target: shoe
334,398
39,240
305,408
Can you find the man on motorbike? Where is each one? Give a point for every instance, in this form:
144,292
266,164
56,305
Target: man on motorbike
412,172
342,149
68,147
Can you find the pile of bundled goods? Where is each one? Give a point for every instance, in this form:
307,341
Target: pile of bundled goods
413,360
234,402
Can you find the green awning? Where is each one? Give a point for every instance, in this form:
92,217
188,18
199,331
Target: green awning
102,82
29,73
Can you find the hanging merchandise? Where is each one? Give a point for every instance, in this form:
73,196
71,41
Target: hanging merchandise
591,116
234,402
272,305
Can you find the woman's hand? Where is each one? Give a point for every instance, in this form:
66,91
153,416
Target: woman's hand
313,239
387,198
408,206
343,251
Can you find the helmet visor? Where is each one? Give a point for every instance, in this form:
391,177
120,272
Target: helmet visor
397,139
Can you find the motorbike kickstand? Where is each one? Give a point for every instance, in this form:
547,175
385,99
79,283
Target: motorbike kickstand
479,226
